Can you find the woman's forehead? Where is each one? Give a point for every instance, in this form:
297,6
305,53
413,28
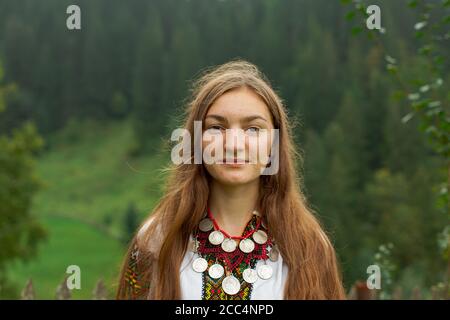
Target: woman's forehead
239,104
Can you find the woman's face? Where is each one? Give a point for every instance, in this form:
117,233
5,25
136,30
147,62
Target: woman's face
237,137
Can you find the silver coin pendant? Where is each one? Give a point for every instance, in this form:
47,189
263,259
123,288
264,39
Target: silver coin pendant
247,245
229,245
216,237
250,275
260,237
200,264
206,225
265,271
216,271
273,254
231,285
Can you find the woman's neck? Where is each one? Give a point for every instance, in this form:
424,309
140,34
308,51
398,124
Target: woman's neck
232,206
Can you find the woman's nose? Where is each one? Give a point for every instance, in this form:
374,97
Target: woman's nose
235,140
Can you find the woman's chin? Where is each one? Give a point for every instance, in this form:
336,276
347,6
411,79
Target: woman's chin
236,178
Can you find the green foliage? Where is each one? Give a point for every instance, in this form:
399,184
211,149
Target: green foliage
420,79
20,232
383,260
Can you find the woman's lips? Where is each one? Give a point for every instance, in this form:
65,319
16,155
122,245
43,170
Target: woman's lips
234,161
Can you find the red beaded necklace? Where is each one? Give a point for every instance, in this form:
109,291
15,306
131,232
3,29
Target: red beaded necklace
245,236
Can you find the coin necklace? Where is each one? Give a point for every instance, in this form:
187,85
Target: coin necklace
230,284
227,242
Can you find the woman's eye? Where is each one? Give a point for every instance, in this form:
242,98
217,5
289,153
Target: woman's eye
214,129
252,130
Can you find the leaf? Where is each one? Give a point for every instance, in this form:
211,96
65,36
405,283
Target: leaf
350,15
431,129
413,96
398,95
420,25
360,7
446,19
418,105
407,117
391,68
425,50
356,30
412,4
424,88
390,59
419,34
434,104
439,60
433,112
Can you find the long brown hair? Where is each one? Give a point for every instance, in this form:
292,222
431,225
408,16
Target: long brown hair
304,246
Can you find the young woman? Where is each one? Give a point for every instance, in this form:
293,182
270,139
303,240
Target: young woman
227,230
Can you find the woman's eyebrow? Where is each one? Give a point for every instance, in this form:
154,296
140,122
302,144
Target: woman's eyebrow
251,118
244,120
217,117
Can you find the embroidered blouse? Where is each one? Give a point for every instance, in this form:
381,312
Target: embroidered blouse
200,286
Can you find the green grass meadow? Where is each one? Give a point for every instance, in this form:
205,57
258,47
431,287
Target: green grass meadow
88,183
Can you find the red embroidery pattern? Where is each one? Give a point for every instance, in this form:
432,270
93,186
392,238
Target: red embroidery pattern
237,261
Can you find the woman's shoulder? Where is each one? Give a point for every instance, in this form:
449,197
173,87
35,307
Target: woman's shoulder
147,238
144,226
